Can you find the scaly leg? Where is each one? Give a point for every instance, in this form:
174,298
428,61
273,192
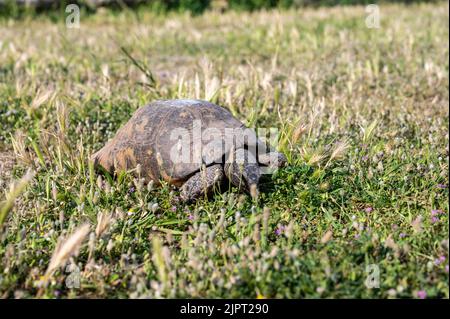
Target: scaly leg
202,183
242,170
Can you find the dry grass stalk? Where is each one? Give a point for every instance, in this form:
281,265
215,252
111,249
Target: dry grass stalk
67,248
15,190
103,221
326,238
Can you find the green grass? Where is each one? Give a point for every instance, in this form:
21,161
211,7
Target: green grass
319,75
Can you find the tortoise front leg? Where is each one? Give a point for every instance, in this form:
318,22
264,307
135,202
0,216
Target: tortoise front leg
242,170
202,183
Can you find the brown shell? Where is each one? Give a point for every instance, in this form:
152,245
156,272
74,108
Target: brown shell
148,139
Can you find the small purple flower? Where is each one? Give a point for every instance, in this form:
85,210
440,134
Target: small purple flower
437,262
435,212
174,208
422,294
368,209
365,158
446,268
357,236
441,186
279,230
402,235
191,217
442,259
434,219
131,190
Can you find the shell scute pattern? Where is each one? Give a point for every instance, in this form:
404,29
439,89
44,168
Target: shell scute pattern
151,134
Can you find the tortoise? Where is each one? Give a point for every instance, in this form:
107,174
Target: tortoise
194,145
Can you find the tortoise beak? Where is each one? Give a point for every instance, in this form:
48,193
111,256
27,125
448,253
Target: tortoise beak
254,191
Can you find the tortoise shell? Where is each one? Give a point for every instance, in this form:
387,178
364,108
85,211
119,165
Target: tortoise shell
172,139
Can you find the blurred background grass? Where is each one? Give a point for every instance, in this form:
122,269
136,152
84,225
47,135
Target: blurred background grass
21,8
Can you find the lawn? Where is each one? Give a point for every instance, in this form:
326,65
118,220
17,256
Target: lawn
362,113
